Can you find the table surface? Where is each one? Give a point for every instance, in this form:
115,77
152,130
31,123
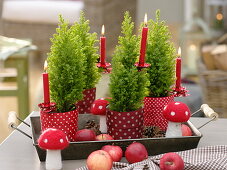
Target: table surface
18,153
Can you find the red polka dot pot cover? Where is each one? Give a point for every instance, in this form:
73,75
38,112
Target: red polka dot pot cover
125,125
67,122
84,106
153,108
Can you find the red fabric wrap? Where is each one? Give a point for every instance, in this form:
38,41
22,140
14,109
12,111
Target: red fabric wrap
153,108
67,122
125,125
84,105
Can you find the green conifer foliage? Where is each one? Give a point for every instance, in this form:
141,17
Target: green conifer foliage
88,40
65,68
161,55
127,85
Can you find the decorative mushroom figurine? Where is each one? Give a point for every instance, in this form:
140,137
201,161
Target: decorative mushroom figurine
53,140
175,113
99,108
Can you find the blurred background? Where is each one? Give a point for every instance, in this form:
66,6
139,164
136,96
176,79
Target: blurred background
198,26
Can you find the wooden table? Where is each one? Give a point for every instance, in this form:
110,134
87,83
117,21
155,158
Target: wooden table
18,153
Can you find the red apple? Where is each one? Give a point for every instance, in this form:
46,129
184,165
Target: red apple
99,160
104,137
85,135
186,131
136,152
114,151
171,161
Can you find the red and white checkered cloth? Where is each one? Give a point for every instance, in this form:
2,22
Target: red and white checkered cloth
206,158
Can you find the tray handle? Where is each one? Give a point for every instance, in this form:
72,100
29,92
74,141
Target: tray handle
12,118
208,112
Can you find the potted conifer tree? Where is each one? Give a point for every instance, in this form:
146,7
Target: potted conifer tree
91,72
65,69
127,87
161,74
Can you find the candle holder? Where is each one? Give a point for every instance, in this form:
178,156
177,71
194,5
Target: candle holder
47,107
141,66
105,67
180,92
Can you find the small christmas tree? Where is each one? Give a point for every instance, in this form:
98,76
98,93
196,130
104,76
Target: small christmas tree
65,68
88,41
127,84
161,55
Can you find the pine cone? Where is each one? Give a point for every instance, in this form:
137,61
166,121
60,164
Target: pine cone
93,126
148,131
153,132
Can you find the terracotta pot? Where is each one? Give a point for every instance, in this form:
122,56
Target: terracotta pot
67,122
125,125
84,105
153,107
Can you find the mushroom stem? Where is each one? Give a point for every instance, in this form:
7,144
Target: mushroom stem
53,160
102,123
173,129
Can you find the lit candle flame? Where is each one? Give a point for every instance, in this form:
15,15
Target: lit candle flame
145,19
219,16
45,66
103,30
179,52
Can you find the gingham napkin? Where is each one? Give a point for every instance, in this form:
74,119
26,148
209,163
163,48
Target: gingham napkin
206,158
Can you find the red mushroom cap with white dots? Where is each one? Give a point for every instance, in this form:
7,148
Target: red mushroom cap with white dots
53,139
176,112
99,106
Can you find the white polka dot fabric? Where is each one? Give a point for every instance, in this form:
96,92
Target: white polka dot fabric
153,108
67,122
125,125
84,105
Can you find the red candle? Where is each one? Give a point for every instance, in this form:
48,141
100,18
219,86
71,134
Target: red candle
103,47
143,42
178,69
46,91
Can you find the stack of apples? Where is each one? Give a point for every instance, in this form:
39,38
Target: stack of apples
103,159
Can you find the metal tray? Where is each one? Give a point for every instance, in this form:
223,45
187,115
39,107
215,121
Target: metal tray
81,150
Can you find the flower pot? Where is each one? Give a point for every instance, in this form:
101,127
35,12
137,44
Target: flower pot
67,122
84,105
125,125
153,107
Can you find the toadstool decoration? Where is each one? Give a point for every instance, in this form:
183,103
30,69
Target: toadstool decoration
53,140
99,108
176,113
